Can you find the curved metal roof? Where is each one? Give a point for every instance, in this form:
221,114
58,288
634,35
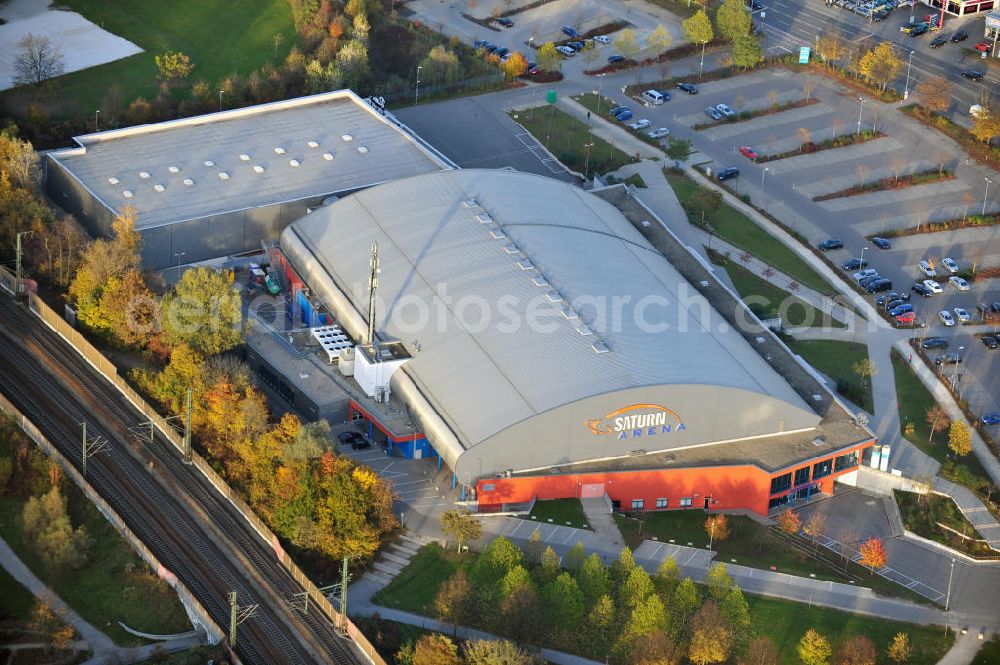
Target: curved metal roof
547,262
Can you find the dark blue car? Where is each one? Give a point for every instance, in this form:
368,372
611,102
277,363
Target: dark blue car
990,419
615,58
902,309
881,243
570,32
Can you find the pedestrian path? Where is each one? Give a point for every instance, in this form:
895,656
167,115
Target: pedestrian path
973,509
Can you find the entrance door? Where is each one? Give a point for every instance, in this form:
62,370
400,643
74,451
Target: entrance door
707,500
592,491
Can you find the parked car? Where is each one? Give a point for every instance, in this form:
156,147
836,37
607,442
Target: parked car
950,264
927,268
893,304
602,39
862,274
570,32
962,315
658,133
639,124
902,309
881,243
989,341
884,299
688,88
624,115
959,283
878,285
938,42
865,282
995,308
972,74
576,46
990,419
713,113
725,110
959,36
854,264
355,440
504,22
919,30
880,15
906,319
933,286
612,59
566,51
948,359
615,110
748,152
832,243
480,43
727,173
935,343
922,290
946,318
983,47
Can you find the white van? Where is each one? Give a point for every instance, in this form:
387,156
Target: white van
653,97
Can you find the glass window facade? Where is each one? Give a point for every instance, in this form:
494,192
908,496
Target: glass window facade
822,469
848,461
801,476
686,502
781,483
637,504
661,503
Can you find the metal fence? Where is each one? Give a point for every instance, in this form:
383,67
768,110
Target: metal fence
108,370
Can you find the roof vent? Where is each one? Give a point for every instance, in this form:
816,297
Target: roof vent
540,281
223,175
511,248
114,181
819,441
143,174
569,313
279,150
127,193
525,264
160,188
209,162
817,397
174,169
470,203
188,182
599,347
244,157
293,162
498,234
257,168
585,330
363,150
484,218
328,156
347,137
645,222
554,296
312,144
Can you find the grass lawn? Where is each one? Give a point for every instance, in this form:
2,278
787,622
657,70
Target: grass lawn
568,512
566,138
15,600
836,360
738,229
785,622
221,38
989,654
794,311
924,517
414,588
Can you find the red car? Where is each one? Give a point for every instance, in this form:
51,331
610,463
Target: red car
907,318
983,47
748,152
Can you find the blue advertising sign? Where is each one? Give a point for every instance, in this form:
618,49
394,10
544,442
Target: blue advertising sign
804,55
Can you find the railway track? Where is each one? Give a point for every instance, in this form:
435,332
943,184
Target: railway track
194,531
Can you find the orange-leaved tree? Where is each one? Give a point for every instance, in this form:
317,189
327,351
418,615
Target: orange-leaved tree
873,554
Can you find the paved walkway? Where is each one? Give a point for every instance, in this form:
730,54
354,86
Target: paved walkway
103,650
973,509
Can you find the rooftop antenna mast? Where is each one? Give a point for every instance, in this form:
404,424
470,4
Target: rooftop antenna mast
372,287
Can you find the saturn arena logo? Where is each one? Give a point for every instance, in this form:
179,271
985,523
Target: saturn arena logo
637,420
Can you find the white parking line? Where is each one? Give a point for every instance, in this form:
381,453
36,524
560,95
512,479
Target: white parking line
520,523
410,482
693,555
571,533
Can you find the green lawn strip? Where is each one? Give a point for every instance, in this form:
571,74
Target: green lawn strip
989,654
924,515
778,302
743,116
739,230
114,584
836,360
890,183
589,100
808,148
567,138
784,621
195,27
565,512
969,221
15,600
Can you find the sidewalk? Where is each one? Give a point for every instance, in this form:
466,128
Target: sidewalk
973,509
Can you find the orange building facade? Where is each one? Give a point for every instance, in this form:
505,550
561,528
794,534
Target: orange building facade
728,487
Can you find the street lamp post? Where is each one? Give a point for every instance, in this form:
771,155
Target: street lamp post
906,90
97,112
600,82
863,256
766,169
947,599
701,67
954,375
220,99
861,110
586,163
416,97
986,193
178,255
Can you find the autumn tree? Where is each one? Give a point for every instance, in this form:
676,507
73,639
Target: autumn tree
636,587
49,531
718,581
659,40
130,309
873,554
959,438
173,66
679,150
857,650
831,46
441,65
717,528
549,58
934,94
627,44
352,64
495,652
711,636
667,577
937,421
648,618
814,649
548,568
703,204
514,66
864,369
880,65
760,652
204,311
54,634
899,649
519,612
622,566
814,527
986,125
733,20
599,625
698,29
808,87
454,600
656,648
575,557
37,59
461,526
435,649
19,161
789,521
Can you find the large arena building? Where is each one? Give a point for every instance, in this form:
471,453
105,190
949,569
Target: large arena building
546,348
